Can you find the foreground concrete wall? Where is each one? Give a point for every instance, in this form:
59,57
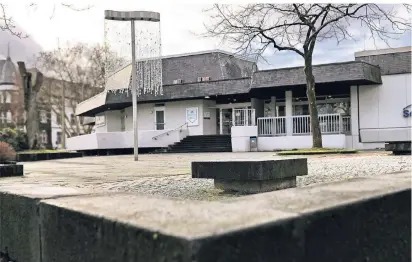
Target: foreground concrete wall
20,218
363,219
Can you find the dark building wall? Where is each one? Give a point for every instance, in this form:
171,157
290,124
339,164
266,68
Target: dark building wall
390,64
216,65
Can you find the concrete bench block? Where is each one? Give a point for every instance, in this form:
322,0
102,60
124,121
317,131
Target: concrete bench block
251,176
362,219
19,217
289,225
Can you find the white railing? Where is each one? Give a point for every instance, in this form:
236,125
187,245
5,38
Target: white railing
244,117
277,126
268,126
346,124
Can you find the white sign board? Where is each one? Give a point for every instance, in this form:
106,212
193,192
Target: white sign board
100,121
206,115
192,116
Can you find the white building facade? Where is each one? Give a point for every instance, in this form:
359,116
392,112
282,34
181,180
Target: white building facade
361,104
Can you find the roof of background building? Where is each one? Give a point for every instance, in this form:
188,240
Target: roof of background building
358,72
384,51
8,72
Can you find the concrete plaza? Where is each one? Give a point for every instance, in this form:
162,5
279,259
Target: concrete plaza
169,175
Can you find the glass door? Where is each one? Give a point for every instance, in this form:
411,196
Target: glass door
160,119
227,120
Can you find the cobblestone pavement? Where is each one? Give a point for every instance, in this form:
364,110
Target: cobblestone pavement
168,175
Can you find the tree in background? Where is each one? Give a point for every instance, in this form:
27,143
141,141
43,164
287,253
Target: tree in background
32,81
255,28
74,74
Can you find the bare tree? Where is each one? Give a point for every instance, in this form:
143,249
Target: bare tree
74,74
255,28
32,81
8,24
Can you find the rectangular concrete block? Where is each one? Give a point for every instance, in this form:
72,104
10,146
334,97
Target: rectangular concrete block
255,186
19,217
250,169
362,219
128,227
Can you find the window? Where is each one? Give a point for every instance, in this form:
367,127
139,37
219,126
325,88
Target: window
59,138
9,116
72,119
8,97
43,117
58,119
3,118
1,98
44,137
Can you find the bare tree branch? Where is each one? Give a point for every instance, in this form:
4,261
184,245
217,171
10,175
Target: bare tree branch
74,8
78,70
7,22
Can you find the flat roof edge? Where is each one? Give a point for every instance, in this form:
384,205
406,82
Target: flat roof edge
385,51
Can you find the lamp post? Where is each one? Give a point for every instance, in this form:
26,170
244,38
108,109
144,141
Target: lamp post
132,16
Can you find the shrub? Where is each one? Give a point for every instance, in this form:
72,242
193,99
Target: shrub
22,141
7,153
15,138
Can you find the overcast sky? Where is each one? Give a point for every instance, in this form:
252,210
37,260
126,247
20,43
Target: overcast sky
180,22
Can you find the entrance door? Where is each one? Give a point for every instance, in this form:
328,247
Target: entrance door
227,121
160,119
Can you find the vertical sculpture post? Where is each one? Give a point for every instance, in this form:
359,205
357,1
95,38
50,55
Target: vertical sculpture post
133,16
134,94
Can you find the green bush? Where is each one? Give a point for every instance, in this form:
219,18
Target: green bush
17,139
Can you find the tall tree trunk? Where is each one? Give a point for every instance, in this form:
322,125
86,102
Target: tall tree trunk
32,82
313,109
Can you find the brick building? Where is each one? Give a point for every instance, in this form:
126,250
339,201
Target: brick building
49,101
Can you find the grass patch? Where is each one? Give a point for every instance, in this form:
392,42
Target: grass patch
316,151
42,151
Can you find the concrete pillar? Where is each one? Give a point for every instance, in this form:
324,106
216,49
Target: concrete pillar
289,112
221,121
273,106
259,106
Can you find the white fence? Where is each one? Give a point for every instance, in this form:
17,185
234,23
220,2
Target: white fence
277,126
268,126
244,117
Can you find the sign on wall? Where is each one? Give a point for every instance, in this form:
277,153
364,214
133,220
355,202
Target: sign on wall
100,120
192,116
407,112
206,115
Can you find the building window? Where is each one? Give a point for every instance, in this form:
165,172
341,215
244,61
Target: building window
3,118
8,97
59,138
43,137
72,119
43,117
9,116
1,98
58,119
